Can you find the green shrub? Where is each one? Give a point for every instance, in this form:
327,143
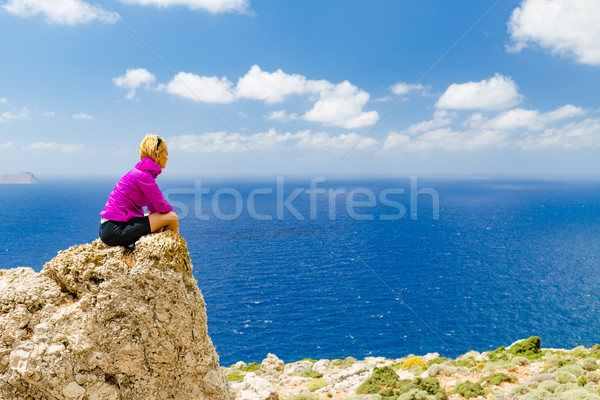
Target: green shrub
309,359
302,396
581,381
345,363
565,387
538,394
234,376
440,370
511,367
469,389
573,369
519,390
550,386
416,394
564,377
530,348
565,361
464,362
498,378
429,385
253,366
316,384
551,369
589,364
494,366
500,354
311,374
532,385
381,378
518,360
593,376
579,394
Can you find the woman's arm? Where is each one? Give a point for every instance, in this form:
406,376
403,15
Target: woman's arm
155,198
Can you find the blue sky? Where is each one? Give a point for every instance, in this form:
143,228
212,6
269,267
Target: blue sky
247,87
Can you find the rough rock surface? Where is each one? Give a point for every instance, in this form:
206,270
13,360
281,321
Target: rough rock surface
96,324
254,388
272,363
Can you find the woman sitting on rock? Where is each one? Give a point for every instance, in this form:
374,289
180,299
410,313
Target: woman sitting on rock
123,220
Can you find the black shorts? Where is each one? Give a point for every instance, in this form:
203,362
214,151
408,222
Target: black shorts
124,233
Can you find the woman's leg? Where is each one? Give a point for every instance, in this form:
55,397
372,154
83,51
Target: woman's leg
168,221
124,233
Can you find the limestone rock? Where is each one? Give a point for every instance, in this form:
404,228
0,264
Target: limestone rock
239,365
98,325
378,362
254,388
430,357
351,378
272,363
298,367
321,366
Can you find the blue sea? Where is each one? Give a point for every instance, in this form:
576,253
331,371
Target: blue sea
330,268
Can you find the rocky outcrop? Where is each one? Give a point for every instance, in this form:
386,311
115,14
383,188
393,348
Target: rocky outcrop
98,324
272,363
19,178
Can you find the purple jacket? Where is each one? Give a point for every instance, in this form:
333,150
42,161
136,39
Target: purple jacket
134,191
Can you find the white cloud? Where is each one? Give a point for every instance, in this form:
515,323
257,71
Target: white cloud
574,135
274,87
212,6
23,113
282,116
514,129
82,116
440,119
497,93
447,139
322,140
402,88
396,140
229,142
267,141
561,26
342,106
207,142
6,145
3,100
208,89
49,114
133,79
519,118
383,99
61,12
63,147
338,105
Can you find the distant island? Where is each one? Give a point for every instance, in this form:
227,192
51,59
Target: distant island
19,177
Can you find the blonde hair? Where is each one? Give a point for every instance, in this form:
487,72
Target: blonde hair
150,147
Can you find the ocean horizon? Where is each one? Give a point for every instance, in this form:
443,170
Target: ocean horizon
330,267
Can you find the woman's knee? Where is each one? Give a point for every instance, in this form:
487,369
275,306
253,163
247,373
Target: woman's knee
171,217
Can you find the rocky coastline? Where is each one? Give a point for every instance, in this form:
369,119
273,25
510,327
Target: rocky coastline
523,370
